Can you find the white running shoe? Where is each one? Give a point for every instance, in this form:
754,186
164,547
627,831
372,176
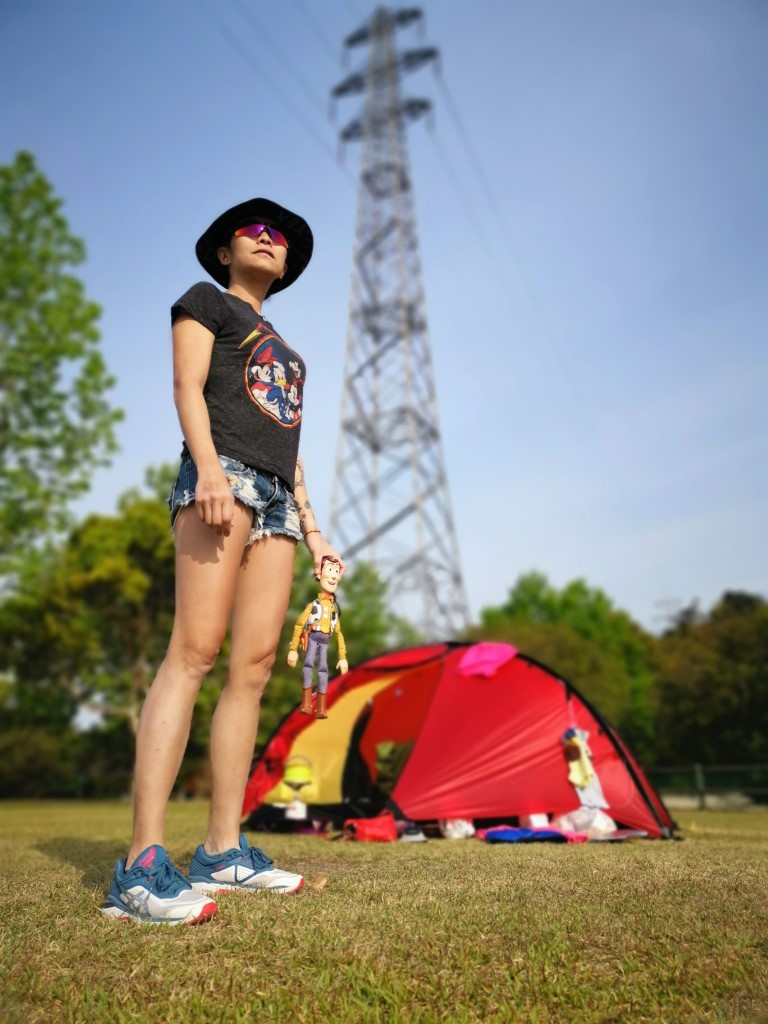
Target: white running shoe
243,867
153,891
413,834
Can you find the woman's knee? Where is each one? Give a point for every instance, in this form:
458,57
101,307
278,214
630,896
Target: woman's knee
194,657
252,673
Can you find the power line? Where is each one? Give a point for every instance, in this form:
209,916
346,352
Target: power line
324,39
464,197
307,124
476,162
500,215
535,301
354,9
296,74
468,211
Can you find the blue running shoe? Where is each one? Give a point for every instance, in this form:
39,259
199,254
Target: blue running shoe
154,892
246,867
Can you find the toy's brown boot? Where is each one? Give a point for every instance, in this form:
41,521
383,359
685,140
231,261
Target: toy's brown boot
306,701
321,711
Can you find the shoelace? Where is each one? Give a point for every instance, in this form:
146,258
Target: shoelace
167,878
259,860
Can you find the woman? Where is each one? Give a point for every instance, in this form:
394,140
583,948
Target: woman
238,509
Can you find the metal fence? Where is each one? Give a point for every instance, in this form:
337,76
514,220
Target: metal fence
701,780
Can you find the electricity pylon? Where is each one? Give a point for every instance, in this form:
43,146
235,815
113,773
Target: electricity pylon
390,503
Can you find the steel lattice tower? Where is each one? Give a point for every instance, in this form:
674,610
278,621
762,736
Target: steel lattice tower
390,504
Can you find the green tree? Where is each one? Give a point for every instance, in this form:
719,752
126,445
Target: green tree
579,633
56,425
86,629
713,684
89,631
89,627
36,762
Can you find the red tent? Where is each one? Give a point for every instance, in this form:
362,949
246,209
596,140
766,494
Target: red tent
471,731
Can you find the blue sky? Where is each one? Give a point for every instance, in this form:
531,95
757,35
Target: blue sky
593,217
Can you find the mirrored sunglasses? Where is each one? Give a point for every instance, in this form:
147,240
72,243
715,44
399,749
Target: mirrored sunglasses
254,230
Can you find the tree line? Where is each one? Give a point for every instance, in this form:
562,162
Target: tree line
86,607
86,627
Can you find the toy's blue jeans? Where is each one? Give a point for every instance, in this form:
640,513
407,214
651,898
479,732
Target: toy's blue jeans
317,650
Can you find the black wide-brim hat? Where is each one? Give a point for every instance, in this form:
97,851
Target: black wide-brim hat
256,211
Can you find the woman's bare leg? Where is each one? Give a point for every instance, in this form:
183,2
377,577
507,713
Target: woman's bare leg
261,602
207,570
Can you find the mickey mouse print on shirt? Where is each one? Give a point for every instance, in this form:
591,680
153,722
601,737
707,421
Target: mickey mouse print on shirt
274,378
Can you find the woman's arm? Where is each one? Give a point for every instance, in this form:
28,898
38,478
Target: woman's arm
192,347
313,538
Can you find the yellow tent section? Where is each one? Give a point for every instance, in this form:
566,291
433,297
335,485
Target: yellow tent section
324,745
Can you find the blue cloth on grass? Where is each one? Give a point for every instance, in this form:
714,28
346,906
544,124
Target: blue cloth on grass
524,835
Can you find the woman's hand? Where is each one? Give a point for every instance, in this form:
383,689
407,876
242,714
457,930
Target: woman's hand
192,347
319,548
214,500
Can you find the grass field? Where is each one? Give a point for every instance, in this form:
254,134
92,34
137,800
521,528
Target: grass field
441,931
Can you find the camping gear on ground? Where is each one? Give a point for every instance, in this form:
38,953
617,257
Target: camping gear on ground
298,773
381,829
619,835
533,820
589,821
510,834
456,828
454,731
412,834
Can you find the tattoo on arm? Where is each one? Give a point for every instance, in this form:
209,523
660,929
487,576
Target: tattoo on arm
306,515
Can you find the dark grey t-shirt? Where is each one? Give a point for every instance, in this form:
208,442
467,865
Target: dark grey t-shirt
255,382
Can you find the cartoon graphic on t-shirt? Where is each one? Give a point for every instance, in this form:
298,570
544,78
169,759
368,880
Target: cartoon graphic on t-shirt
276,391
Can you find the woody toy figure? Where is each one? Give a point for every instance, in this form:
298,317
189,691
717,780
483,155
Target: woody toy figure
313,630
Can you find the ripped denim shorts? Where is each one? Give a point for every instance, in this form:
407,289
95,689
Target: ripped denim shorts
275,511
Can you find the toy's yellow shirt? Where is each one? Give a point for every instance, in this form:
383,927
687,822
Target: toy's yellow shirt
321,616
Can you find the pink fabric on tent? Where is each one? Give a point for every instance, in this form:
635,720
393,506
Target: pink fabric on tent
485,659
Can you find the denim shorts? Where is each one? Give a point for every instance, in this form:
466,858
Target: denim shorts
275,511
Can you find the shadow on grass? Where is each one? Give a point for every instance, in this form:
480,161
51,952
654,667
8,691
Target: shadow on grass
95,858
